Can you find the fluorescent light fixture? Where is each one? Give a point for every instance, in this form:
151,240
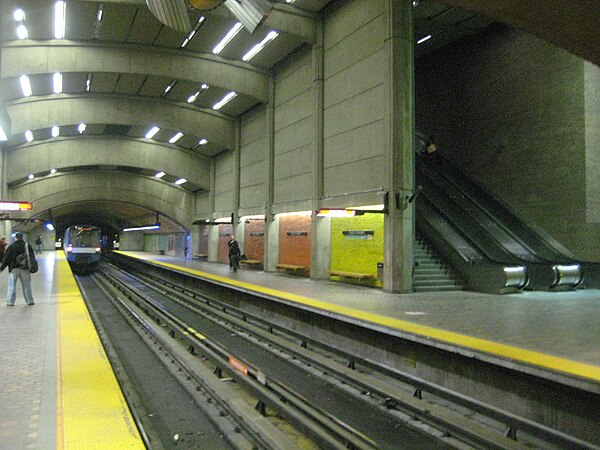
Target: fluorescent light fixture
290,1
150,134
19,15
423,39
53,171
258,47
28,136
57,82
564,268
25,85
204,86
22,32
31,176
60,9
332,212
16,206
160,174
156,226
55,131
81,128
192,33
176,137
88,83
515,269
202,142
228,37
100,12
2,135
169,87
224,100
49,226
180,181
192,98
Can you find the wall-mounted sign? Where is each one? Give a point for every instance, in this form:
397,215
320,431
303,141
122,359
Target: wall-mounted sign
358,234
256,233
297,233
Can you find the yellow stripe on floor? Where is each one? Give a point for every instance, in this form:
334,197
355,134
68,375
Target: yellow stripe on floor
539,359
94,412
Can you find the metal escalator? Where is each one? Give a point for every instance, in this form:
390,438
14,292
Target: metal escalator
493,249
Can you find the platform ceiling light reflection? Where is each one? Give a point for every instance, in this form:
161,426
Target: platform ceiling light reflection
180,181
176,137
423,39
160,174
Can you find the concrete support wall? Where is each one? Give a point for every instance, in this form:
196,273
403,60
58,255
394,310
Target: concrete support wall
224,184
522,121
253,183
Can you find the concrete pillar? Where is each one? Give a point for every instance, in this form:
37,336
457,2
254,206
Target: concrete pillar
236,179
271,236
399,153
320,243
213,243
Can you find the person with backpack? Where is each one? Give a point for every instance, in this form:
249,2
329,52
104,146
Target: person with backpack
19,258
38,243
234,254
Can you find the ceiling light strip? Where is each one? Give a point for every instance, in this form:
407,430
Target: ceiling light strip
224,100
258,47
25,85
60,11
57,81
228,37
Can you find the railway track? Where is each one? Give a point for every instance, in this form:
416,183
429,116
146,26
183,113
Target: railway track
334,399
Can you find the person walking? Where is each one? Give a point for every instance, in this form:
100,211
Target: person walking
39,243
16,271
2,247
234,254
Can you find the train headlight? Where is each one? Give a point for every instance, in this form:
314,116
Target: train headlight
97,249
69,248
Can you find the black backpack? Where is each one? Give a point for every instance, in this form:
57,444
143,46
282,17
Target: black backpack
22,262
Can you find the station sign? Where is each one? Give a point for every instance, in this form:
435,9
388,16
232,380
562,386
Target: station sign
15,206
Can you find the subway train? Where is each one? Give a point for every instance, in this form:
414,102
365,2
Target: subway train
82,245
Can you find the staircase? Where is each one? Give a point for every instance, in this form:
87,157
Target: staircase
431,274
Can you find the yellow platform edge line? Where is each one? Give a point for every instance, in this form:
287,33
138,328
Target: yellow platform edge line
92,411
514,353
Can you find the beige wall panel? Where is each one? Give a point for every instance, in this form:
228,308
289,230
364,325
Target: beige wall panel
294,136
355,177
294,110
295,78
224,182
293,188
356,112
592,141
350,17
293,163
253,126
252,198
362,76
358,144
355,48
202,203
253,175
40,157
252,153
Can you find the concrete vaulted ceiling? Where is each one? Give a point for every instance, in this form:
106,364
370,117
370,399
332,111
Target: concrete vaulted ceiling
128,72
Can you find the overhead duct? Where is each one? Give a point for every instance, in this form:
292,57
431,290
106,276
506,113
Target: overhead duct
172,13
251,13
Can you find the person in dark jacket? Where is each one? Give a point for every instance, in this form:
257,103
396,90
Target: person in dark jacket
234,254
16,272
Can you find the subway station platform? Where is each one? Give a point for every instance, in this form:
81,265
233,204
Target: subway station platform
58,390
554,331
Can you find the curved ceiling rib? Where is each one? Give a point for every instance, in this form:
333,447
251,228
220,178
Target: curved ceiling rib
44,112
21,58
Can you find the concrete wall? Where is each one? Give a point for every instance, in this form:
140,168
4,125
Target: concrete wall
224,184
294,132
355,67
253,165
592,141
510,110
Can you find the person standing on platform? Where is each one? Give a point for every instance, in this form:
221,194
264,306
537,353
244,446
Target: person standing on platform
234,254
2,247
16,272
39,243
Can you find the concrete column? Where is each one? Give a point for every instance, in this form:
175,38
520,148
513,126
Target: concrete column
271,236
320,243
5,226
213,230
236,178
399,227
